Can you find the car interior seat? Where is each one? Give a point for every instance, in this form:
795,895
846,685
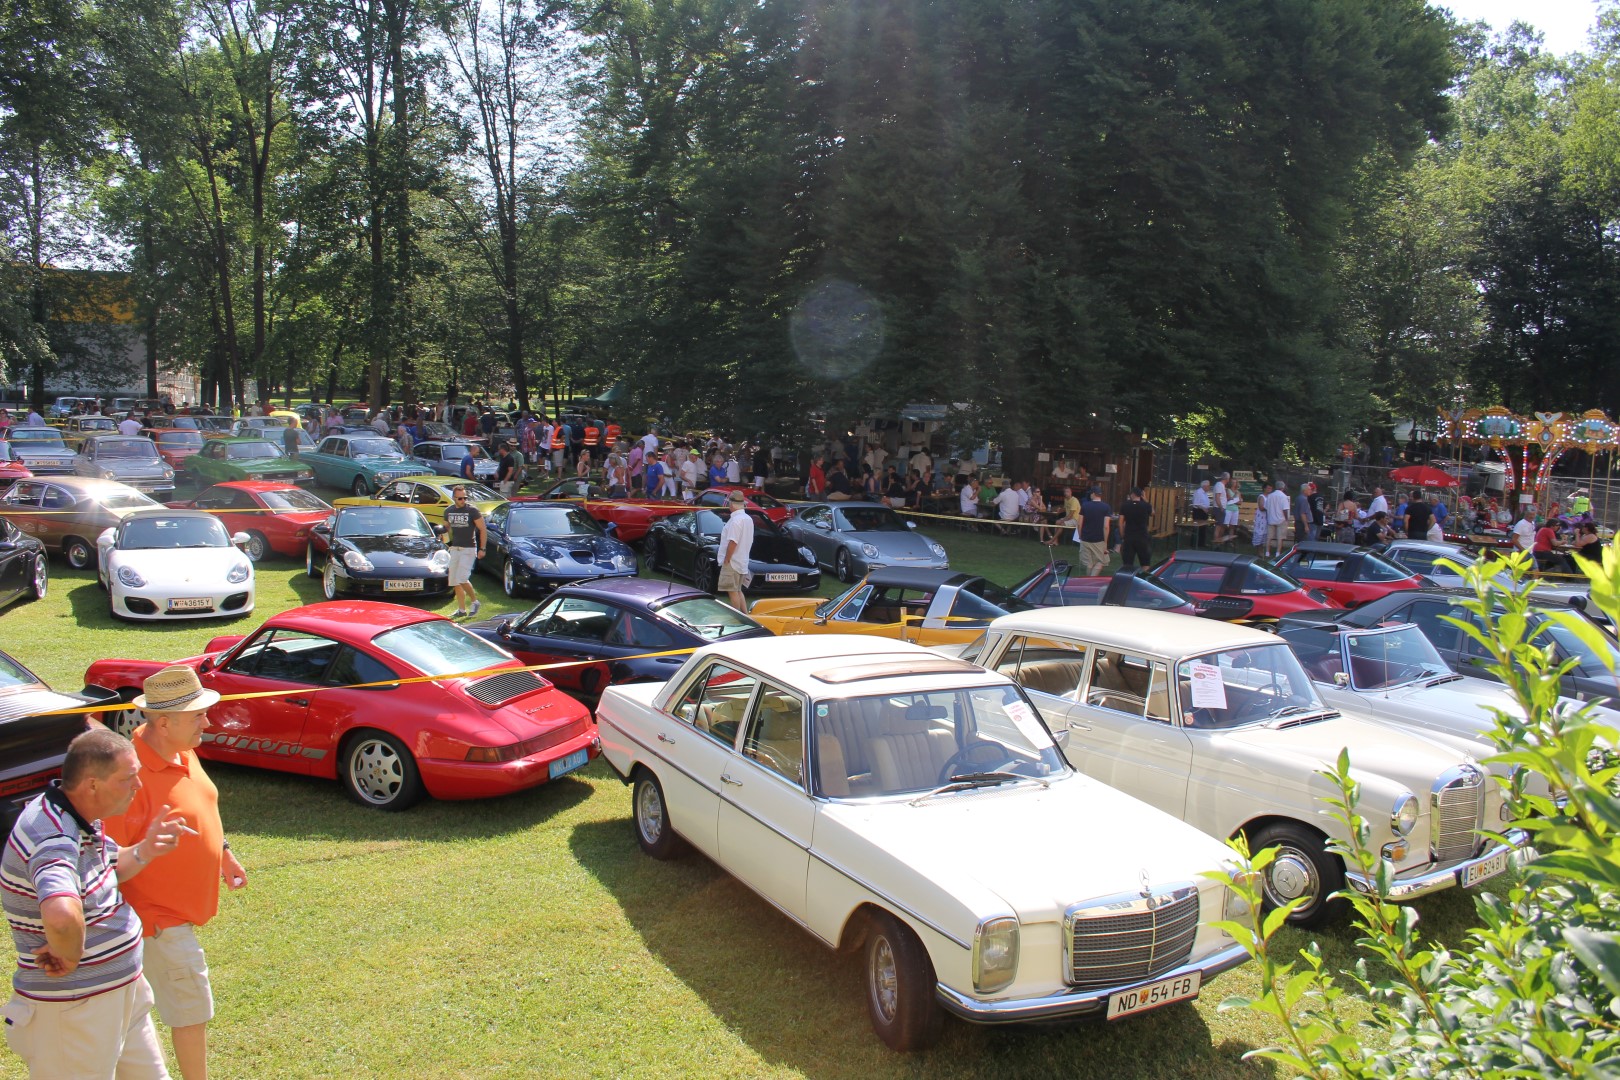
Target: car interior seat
909,751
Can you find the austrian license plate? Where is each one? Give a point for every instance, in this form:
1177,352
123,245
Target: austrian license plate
1477,873
1153,995
781,577
402,584
191,603
568,764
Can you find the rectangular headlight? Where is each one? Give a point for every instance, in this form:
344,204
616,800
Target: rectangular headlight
995,954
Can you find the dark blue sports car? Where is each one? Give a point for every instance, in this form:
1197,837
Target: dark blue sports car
535,547
606,623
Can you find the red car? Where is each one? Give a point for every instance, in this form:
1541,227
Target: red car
718,494
458,736
175,444
277,517
1210,575
1349,574
10,467
630,517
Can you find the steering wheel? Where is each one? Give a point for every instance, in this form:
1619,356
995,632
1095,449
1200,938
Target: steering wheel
984,756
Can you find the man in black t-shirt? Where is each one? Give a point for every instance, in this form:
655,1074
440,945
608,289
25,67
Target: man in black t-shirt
466,543
1135,545
1418,516
1095,516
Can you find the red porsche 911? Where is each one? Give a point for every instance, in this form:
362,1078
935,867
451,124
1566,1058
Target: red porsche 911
341,708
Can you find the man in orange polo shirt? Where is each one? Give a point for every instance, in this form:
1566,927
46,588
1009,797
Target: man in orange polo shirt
184,895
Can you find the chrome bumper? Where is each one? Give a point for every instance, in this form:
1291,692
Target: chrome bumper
1425,881
1063,1006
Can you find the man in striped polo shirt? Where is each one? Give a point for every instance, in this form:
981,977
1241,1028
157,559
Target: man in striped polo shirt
79,1005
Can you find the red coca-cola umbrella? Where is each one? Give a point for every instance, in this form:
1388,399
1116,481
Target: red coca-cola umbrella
1423,476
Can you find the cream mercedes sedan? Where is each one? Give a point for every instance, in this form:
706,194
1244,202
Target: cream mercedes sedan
916,810
1221,726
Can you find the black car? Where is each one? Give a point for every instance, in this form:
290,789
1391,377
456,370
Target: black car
387,551
34,738
623,629
689,545
22,565
1596,656
539,546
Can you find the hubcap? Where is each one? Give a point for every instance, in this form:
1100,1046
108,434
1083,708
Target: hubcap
329,582
650,814
255,547
509,579
1291,876
376,771
39,576
884,979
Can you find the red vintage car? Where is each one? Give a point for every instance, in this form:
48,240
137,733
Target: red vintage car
11,468
630,517
1349,574
718,495
1207,576
481,727
174,444
277,517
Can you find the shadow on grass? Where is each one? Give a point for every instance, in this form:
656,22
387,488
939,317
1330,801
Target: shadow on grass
801,1006
272,805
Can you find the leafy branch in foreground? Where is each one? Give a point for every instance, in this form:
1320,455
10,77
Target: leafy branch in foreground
1535,989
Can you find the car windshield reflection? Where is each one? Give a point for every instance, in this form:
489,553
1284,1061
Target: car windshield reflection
1250,685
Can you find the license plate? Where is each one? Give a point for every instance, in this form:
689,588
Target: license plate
568,764
781,577
402,584
1153,995
1477,873
196,603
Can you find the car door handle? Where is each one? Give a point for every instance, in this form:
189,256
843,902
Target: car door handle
665,739
724,779
298,701
1075,725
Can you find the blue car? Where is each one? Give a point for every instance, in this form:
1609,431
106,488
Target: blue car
444,459
535,547
603,630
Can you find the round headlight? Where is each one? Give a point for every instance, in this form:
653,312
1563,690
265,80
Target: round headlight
439,560
1405,815
128,576
939,552
869,551
808,556
168,473
356,561
239,573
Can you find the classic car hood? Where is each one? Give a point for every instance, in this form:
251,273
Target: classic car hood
268,466
786,607
180,564
390,550
381,462
1374,748
590,549
26,450
123,469
984,836
894,545
1466,699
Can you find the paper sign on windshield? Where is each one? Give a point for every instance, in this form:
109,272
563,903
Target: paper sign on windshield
1024,718
1208,691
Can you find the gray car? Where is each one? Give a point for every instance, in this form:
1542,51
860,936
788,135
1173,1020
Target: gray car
129,459
444,459
854,538
41,450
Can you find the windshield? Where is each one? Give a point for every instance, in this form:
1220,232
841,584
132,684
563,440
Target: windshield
914,743
1000,600
293,499
134,500
374,448
441,648
872,519
479,493
249,451
97,425
1234,687
708,618
551,521
130,449
36,436
1380,659
180,440
186,531
382,521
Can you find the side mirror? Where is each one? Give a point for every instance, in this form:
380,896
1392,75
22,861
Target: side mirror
611,528
910,524
240,539
206,666
505,629
824,526
1061,737
439,530
323,529
1341,678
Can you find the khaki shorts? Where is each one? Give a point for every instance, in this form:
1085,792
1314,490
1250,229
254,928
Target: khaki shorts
92,1038
730,579
1277,530
1094,552
178,972
461,565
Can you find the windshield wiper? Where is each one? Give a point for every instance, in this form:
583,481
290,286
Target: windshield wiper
967,781
1302,714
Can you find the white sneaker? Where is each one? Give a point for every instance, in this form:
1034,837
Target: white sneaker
475,606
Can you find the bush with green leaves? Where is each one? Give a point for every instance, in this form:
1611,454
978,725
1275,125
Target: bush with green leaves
1535,989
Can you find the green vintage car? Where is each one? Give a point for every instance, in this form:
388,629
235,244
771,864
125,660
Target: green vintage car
359,463
245,459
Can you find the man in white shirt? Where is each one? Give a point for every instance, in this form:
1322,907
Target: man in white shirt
689,476
875,457
736,542
1007,505
34,419
379,423
970,498
1218,501
129,426
922,463
1378,503
1276,518
649,446
1524,530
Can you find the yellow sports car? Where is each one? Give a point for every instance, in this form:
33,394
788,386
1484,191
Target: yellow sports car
429,494
929,607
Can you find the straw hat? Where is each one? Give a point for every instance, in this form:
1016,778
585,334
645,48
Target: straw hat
174,689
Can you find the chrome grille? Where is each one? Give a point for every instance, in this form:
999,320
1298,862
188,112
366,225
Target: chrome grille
1459,809
1124,940
504,687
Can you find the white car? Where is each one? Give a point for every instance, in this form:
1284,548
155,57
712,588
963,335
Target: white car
915,807
174,564
1220,725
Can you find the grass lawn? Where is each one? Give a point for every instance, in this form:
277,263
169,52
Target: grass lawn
528,936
